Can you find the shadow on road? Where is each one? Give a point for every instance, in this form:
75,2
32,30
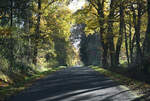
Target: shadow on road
73,84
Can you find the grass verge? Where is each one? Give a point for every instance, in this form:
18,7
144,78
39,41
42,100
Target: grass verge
140,88
13,89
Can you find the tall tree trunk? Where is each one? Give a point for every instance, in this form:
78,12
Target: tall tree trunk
138,28
126,45
110,36
27,31
11,38
11,15
146,46
120,38
102,39
130,40
37,33
105,48
132,48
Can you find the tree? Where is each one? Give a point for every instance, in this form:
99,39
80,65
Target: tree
147,35
146,45
121,30
37,27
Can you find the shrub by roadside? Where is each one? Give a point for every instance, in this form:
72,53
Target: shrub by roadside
9,89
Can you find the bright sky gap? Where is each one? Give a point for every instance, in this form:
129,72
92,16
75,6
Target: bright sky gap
76,5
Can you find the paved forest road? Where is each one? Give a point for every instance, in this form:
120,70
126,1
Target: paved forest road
75,84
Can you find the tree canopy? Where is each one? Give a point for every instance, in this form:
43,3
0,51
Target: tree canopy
36,33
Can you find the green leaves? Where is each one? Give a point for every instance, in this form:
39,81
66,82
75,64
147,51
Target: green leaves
4,3
89,17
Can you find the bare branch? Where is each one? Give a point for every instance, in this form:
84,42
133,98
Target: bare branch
93,4
49,4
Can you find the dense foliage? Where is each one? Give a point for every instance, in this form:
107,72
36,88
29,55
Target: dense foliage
123,27
35,35
90,49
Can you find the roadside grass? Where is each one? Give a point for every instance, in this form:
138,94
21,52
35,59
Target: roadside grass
13,89
140,88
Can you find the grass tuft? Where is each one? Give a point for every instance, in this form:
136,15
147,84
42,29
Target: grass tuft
140,88
15,88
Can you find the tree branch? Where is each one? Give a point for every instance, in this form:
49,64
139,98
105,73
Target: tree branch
49,4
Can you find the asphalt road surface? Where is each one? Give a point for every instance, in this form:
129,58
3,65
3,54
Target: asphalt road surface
75,84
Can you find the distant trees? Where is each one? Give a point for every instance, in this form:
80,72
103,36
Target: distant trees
90,49
89,46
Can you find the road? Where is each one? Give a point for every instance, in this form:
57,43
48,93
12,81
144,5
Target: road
75,84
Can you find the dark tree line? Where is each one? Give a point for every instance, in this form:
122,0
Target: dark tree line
124,31
90,49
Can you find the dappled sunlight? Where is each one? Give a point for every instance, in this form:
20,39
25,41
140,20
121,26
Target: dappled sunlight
39,37
74,84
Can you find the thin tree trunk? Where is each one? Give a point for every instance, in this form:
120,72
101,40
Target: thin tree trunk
132,48
138,28
146,46
11,38
126,45
103,41
11,15
110,37
104,46
130,41
37,33
120,38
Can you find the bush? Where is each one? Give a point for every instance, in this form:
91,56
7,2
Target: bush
4,64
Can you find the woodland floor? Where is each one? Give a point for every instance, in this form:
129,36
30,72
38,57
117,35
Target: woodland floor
75,84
